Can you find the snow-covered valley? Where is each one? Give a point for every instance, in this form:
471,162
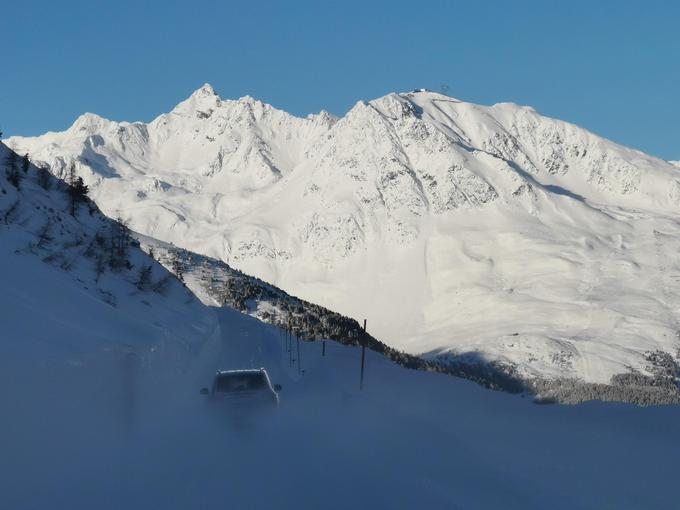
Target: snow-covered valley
454,228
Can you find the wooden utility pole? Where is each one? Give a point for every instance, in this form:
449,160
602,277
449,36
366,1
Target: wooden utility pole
297,338
363,356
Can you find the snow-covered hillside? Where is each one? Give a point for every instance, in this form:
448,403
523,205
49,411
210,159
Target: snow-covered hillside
453,227
99,379
74,300
216,283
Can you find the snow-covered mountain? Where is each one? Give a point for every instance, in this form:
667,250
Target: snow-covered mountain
453,227
100,370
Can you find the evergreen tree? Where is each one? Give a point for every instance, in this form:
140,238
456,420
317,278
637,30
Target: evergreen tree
77,190
144,278
177,264
99,266
44,178
12,170
25,163
81,190
120,242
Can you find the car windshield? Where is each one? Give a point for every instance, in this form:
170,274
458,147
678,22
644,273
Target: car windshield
244,381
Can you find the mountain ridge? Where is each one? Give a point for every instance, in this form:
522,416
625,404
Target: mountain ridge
416,210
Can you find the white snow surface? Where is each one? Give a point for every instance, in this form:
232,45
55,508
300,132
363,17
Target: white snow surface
100,406
56,306
449,225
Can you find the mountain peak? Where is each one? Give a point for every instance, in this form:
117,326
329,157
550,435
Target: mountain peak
88,122
202,99
323,117
427,94
205,90
248,99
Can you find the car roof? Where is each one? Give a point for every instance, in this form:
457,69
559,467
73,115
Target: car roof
242,371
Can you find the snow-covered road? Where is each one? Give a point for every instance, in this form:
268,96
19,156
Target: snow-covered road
409,440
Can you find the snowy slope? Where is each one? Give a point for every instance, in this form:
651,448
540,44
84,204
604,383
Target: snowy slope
453,227
66,308
409,440
100,405
215,283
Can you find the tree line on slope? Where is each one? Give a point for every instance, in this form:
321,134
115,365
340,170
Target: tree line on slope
310,322
58,243
659,388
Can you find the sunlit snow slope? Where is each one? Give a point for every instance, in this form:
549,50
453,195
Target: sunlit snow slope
450,226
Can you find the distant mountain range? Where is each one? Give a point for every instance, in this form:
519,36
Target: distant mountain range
456,229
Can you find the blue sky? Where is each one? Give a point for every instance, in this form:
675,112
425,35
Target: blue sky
612,67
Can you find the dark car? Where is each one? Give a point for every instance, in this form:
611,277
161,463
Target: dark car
247,388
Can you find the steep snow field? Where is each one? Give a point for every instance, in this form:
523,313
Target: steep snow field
452,227
66,314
